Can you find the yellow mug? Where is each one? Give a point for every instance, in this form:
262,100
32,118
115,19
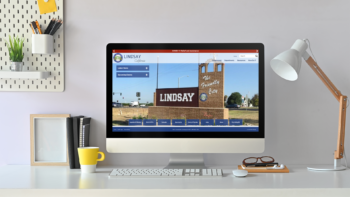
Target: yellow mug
88,158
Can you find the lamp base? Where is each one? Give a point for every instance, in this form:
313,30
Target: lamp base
327,168
336,167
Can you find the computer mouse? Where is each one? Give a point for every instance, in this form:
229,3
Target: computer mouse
240,173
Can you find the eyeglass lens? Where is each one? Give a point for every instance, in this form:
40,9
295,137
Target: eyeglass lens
250,160
266,159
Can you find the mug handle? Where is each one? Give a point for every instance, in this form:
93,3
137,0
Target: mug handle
102,156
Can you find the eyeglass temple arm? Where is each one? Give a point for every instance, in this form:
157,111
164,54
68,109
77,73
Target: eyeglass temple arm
338,154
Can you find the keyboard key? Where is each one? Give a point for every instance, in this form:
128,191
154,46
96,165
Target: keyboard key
209,172
219,172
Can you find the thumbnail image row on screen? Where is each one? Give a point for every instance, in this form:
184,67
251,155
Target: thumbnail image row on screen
184,122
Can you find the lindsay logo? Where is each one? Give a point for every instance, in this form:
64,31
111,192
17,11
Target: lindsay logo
176,97
135,57
132,56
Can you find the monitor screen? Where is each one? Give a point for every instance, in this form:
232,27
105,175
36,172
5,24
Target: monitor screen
184,92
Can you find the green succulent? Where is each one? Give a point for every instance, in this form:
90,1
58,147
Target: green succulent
15,45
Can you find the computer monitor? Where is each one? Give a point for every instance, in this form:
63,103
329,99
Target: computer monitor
185,98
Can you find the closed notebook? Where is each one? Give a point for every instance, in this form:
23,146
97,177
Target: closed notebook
85,135
76,124
83,121
70,141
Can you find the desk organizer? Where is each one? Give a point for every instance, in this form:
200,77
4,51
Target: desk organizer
47,69
42,44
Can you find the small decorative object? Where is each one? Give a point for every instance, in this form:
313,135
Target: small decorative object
48,139
15,45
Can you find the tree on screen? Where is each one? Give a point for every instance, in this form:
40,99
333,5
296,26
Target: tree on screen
234,98
255,100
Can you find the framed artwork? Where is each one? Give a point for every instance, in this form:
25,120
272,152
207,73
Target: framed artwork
48,140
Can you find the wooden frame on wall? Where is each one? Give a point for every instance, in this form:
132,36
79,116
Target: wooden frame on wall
48,140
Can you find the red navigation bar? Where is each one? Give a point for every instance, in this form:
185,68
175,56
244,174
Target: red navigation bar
184,51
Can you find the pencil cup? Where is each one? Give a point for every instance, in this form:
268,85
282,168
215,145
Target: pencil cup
42,44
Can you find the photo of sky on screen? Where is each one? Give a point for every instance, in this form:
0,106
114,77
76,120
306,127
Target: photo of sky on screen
185,88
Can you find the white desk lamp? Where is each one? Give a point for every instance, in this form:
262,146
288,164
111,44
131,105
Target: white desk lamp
287,65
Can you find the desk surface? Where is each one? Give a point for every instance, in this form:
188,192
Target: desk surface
48,177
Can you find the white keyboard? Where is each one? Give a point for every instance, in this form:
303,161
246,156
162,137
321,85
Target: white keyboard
166,173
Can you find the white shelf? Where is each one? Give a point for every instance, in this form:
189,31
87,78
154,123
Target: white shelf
25,74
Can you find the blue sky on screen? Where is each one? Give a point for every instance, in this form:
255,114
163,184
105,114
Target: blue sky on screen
239,77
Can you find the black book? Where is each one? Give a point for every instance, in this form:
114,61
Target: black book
70,141
76,125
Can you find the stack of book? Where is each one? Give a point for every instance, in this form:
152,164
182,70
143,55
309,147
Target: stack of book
78,132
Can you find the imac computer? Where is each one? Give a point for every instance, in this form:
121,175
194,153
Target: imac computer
185,99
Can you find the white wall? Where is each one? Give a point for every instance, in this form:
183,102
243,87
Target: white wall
301,116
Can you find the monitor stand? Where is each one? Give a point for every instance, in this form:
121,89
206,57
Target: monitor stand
186,160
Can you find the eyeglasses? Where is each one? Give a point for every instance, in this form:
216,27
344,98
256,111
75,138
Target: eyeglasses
253,160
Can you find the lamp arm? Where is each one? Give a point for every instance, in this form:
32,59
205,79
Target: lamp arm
338,154
314,66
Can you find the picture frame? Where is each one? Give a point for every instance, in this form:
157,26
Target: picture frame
48,140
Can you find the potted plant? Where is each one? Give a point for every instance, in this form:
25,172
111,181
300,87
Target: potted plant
15,45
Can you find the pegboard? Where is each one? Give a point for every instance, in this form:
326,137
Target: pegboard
15,16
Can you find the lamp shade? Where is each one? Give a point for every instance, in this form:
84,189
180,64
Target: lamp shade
288,63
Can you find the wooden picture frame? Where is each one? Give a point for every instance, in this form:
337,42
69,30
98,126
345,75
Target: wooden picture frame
48,140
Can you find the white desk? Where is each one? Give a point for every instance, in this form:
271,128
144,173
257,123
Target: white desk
41,181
